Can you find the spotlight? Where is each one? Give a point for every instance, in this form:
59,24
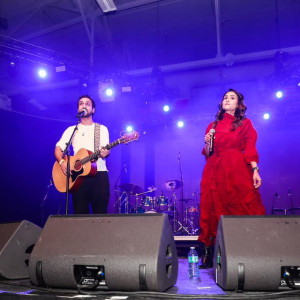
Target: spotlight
106,91
109,92
180,124
279,94
42,73
166,108
129,128
266,116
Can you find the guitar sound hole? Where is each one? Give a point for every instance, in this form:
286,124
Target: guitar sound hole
77,165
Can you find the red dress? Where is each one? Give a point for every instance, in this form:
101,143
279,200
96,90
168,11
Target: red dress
227,181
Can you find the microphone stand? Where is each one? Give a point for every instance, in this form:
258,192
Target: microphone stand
181,178
67,152
116,191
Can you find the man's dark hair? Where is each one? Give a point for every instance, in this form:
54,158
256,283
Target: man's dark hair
89,97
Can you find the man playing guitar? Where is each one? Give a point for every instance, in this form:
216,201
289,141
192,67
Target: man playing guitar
90,137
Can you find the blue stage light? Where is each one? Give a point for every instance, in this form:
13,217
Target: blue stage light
166,108
42,73
279,94
109,92
266,116
129,128
180,124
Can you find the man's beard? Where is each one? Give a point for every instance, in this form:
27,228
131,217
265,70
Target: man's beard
88,114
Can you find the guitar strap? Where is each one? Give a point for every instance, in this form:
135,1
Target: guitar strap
97,137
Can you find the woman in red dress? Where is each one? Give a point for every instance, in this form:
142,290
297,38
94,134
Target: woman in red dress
230,178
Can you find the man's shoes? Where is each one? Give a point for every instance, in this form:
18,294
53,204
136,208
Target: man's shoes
207,258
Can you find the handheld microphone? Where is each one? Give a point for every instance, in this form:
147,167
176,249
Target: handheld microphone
81,114
125,168
211,141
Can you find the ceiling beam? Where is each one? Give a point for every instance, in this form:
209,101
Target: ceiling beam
228,60
98,12
84,20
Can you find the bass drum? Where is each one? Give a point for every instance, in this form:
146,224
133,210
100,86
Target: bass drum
151,211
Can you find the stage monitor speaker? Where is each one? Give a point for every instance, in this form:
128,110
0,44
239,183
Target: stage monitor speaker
111,252
16,243
255,253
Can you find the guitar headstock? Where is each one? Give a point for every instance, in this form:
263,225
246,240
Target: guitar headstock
129,137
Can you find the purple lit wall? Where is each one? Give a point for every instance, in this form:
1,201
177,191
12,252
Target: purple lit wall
162,151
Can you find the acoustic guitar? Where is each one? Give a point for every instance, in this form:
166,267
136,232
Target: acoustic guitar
84,164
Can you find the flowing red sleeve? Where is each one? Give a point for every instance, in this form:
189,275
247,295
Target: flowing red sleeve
249,137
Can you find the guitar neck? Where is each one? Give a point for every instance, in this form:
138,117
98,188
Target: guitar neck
95,155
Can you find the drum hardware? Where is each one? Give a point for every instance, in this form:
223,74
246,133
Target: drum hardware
173,184
146,202
183,229
186,219
163,204
193,215
126,201
130,188
119,201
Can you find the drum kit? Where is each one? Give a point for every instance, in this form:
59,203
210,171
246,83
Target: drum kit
132,199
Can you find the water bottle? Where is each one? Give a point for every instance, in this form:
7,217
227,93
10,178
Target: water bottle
193,260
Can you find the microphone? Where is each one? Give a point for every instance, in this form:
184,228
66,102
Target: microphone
81,114
179,156
211,141
125,168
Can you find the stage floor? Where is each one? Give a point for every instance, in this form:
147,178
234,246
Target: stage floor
203,287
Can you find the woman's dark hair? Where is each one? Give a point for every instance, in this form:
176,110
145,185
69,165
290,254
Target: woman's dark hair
89,97
239,114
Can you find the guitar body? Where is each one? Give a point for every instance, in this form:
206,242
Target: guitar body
80,170
83,164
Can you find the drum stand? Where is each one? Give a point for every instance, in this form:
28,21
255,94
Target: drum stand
118,201
183,229
177,225
125,200
193,230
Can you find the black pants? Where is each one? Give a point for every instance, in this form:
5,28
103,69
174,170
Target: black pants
94,191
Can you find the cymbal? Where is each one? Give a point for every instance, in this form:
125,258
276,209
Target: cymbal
131,188
173,184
